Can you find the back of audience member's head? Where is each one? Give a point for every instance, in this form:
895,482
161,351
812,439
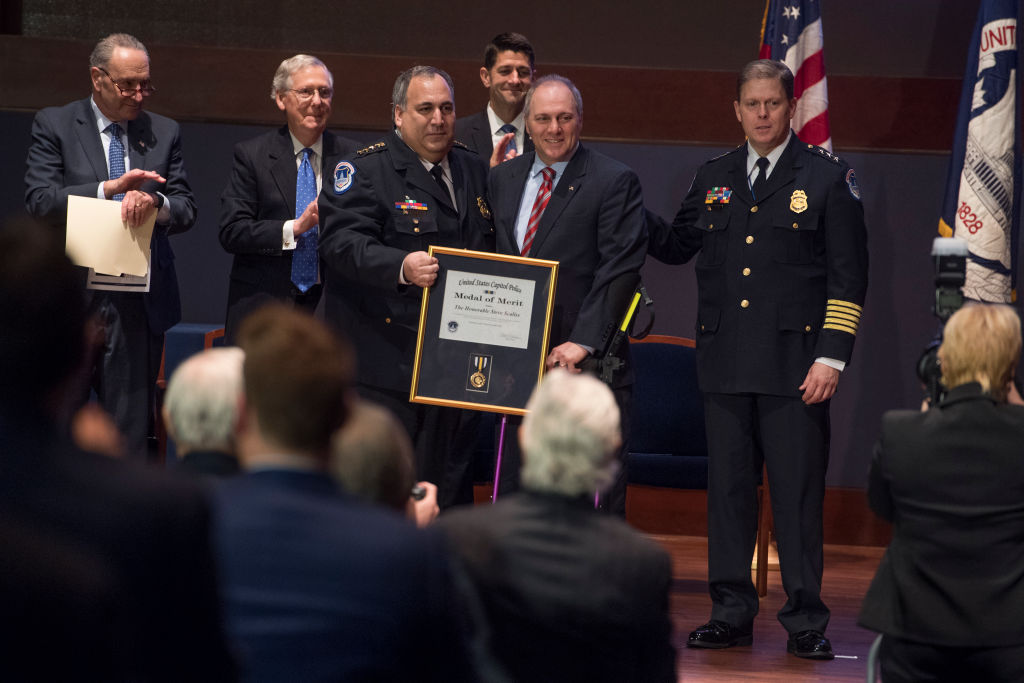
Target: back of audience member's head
42,344
569,436
981,343
371,457
201,403
297,377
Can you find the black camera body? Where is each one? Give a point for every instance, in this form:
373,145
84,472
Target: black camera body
950,256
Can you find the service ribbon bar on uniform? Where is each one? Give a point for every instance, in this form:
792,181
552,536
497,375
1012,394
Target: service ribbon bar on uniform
843,316
405,206
718,195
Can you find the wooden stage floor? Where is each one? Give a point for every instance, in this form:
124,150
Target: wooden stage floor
848,572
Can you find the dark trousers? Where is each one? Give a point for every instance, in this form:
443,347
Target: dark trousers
126,366
239,309
904,661
744,431
613,500
444,440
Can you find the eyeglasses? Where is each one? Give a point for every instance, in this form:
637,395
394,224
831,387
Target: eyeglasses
145,87
306,94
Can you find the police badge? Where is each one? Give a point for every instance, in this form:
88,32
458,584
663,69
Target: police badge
798,201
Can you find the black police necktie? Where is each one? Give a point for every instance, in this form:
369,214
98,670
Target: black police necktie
761,181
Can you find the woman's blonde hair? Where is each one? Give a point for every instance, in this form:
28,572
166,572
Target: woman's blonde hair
981,343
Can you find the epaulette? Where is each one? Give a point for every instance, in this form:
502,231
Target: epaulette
731,151
461,145
376,147
825,153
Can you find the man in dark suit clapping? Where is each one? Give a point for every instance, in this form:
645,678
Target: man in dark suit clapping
269,217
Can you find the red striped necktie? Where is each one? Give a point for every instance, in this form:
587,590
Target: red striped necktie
539,204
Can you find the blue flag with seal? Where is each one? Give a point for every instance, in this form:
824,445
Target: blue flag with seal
982,203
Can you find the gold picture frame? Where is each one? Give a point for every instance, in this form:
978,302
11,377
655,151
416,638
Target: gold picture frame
484,330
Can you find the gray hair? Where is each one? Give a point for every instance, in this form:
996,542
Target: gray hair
399,93
104,49
371,456
554,78
766,68
201,402
283,76
569,435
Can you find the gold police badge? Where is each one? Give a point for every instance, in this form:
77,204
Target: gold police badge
485,211
798,201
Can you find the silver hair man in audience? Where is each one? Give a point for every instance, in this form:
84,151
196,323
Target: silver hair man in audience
201,408
567,591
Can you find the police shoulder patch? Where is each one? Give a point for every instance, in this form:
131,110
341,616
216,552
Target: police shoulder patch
375,147
851,182
344,172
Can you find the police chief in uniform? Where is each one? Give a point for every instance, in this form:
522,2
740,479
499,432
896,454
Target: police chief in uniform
778,229
379,212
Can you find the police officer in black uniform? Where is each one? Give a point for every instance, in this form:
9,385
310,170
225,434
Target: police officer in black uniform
778,228
379,212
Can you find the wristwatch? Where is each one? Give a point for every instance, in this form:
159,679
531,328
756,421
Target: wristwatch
159,199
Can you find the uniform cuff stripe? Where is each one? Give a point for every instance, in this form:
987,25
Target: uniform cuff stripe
848,304
840,328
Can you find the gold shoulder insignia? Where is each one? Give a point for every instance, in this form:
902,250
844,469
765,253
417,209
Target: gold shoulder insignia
376,147
461,145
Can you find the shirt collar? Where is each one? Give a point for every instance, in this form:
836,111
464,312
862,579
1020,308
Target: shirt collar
559,166
430,164
101,120
317,146
496,123
773,156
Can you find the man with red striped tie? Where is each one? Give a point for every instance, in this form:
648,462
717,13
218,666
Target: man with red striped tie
570,204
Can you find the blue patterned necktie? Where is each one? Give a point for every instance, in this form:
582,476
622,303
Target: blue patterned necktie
509,128
304,258
116,157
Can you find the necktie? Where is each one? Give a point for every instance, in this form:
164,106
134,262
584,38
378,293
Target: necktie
539,204
761,181
304,258
509,128
437,172
115,156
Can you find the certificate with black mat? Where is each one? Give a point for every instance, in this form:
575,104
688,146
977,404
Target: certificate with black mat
483,333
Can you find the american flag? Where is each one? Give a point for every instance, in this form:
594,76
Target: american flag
791,32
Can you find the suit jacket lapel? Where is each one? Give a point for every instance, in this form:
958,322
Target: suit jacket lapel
90,140
482,134
568,185
408,164
282,167
738,174
140,141
458,182
506,206
784,170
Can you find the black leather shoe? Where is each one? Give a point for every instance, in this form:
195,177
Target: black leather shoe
717,635
810,645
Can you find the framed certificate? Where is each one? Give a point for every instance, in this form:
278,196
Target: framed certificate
483,333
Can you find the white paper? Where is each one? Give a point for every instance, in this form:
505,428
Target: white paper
487,309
